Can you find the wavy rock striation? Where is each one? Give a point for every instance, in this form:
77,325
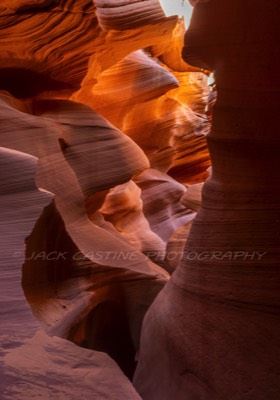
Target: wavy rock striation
40,136
34,365
213,331
93,94
139,94
45,46
121,15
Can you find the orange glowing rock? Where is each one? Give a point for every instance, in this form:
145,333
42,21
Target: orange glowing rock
135,79
169,51
121,15
93,93
47,46
123,207
135,93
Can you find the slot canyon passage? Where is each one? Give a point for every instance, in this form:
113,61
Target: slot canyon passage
132,266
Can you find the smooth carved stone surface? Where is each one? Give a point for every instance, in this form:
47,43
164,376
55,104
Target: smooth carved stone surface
34,365
39,136
161,202
120,15
116,157
139,94
214,328
123,43
165,130
135,79
43,367
169,52
92,304
46,49
176,245
10,6
88,290
21,201
193,92
123,207
193,197
92,260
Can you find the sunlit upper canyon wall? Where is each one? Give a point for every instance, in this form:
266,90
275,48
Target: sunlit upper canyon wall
105,116
102,131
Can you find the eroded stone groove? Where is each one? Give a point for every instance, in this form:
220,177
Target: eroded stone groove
218,316
103,156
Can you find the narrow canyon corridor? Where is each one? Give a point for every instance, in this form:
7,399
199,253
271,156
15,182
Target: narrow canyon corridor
140,209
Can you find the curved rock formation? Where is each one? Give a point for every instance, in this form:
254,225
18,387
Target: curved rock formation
138,92
45,45
175,246
96,256
114,15
95,305
34,365
191,199
123,207
135,79
193,196
161,202
100,155
59,140
213,331
56,175
169,52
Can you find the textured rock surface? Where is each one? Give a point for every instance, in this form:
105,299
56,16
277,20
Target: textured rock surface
161,202
213,331
193,196
123,207
34,365
39,135
135,79
121,15
87,228
45,45
43,367
138,92
93,304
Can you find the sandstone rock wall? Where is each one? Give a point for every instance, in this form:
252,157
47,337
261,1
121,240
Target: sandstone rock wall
93,94
213,331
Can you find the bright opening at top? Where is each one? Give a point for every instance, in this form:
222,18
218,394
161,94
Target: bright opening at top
178,7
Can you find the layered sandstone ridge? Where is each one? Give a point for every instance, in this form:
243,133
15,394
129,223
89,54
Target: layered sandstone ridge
214,329
35,365
102,132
